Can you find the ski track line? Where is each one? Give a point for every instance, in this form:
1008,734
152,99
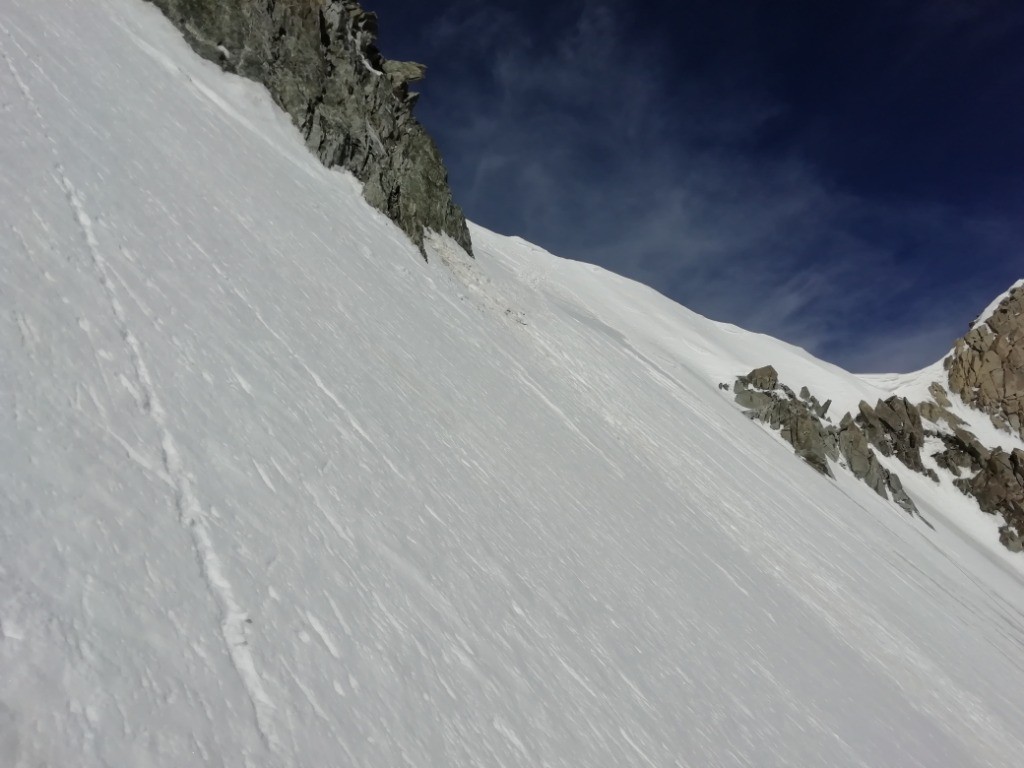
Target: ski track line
234,619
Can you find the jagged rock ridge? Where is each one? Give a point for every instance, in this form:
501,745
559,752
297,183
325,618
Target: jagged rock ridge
321,64
804,424
985,369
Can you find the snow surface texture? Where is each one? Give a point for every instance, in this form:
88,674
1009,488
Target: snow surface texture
275,493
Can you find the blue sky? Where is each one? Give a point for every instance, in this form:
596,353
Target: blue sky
846,176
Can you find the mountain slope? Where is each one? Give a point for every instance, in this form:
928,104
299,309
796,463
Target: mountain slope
276,493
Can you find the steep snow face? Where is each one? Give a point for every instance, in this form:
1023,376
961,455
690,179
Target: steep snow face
275,493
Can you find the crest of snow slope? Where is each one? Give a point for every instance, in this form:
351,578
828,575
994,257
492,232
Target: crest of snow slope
275,493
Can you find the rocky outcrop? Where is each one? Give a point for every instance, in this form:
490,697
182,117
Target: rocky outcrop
860,459
963,453
319,60
801,422
985,370
894,427
986,367
999,489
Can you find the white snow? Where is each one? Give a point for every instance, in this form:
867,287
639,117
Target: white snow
273,492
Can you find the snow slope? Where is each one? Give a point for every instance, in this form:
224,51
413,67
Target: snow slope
273,492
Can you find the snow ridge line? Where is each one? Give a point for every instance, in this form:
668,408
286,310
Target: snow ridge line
234,620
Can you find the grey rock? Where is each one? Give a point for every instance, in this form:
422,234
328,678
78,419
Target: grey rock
766,378
999,486
972,446
755,401
986,368
320,62
963,453
894,427
778,408
873,429
898,494
938,414
809,440
862,461
1012,538
402,72
938,392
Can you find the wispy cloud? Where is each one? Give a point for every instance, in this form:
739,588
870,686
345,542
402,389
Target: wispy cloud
587,143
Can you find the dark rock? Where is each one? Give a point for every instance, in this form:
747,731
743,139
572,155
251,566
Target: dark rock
986,370
873,429
766,378
319,61
808,438
811,441
898,494
999,489
962,453
971,445
997,486
862,461
894,427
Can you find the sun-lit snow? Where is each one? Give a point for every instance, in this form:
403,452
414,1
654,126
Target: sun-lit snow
274,492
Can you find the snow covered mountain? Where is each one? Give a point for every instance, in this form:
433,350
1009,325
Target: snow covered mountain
276,492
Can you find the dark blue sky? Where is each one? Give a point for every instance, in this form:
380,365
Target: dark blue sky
848,176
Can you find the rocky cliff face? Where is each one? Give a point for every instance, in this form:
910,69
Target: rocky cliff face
986,367
320,62
985,370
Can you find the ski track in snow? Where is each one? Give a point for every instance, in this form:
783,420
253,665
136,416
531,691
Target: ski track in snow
191,514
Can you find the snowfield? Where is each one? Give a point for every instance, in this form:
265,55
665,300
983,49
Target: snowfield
274,492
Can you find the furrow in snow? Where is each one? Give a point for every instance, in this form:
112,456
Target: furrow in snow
234,619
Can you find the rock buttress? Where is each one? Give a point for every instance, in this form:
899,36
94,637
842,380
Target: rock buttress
319,60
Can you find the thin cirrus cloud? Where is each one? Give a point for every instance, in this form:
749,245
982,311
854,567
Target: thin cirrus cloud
570,129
